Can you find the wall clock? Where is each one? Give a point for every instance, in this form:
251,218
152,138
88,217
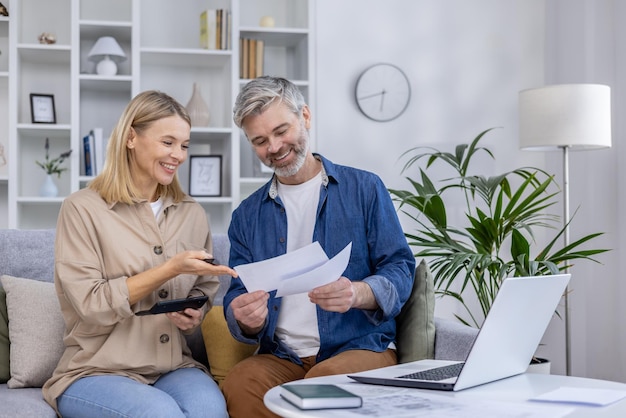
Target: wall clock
382,92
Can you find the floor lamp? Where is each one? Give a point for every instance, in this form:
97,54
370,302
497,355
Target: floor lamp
565,117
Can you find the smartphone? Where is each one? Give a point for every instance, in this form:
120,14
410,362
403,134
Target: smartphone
175,305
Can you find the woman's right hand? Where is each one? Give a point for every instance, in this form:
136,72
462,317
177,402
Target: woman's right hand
186,262
193,262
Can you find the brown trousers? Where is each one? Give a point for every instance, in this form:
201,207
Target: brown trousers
247,382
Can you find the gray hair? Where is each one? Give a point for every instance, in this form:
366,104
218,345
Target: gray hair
256,96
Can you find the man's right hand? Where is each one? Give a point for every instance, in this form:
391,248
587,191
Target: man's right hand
250,310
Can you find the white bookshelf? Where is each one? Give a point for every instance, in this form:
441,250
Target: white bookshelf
162,46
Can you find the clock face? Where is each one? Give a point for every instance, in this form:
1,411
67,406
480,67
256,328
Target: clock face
382,92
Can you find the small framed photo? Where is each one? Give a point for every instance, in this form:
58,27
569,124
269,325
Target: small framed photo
42,108
205,175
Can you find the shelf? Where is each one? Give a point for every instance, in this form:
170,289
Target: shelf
106,84
35,200
185,57
299,83
52,130
254,180
44,54
287,37
213,200
200,130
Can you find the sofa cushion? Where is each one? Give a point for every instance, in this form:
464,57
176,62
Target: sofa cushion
27,253
25,402
4,338
36,330
223,351
415,324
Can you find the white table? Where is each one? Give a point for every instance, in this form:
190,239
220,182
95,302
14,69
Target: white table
514,390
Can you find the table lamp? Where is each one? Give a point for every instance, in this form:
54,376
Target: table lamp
106,52
565,117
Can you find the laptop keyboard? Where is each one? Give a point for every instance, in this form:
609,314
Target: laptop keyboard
438,373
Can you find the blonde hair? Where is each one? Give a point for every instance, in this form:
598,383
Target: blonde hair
115,183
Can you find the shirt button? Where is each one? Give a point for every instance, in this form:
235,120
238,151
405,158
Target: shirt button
275,308
158,250
282,240
164,338
163,293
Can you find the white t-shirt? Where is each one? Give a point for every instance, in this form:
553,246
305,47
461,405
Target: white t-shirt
156,207
297,320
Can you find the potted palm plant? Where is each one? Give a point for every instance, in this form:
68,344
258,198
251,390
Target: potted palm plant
496,236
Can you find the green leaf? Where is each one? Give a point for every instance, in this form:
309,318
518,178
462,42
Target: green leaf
495,238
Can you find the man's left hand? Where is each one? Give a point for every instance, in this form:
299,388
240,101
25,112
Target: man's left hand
343,294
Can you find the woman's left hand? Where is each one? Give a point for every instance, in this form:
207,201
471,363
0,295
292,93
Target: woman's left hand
186,320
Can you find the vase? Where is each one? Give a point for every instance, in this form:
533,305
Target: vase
197,108
48,187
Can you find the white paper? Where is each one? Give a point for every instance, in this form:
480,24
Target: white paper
586,396
387,402
298,271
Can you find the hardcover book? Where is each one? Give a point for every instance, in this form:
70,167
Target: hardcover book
319,396
88,151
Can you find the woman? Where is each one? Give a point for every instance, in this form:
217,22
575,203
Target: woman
133,238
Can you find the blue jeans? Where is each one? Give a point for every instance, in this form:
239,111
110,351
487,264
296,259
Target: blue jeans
187,392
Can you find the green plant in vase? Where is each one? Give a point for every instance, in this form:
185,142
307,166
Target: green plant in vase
494,239
53,166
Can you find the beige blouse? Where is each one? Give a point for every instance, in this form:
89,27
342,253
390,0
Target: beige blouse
98,246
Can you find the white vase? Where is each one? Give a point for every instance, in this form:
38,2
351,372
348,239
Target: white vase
197,108
48,187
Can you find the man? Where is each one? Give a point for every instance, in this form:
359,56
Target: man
345,326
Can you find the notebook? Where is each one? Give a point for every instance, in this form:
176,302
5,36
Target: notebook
503,347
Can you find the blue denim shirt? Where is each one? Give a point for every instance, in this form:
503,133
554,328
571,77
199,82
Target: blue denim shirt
356,207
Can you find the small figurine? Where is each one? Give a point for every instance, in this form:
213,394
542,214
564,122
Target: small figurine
47,38
3,10
267,22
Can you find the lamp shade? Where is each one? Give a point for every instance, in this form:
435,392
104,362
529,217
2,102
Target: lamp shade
577,116
106,45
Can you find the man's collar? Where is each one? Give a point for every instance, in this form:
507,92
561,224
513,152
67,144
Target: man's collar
274,186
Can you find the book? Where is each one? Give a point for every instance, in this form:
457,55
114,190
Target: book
88,146
244,58
319,396
260,50
241,55
218,29
252,58
229,31
208,29
99,150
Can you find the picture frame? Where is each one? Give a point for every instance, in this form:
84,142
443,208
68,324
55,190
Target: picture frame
42,108
205,175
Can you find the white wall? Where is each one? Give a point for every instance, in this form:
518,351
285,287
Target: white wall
466,62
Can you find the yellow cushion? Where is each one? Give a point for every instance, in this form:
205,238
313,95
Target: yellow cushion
222,350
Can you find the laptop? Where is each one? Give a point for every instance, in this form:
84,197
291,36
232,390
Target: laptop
504,346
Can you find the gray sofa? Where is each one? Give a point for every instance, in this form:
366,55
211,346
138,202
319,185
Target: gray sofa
30,254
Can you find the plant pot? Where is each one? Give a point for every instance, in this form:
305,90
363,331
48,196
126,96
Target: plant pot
48,187
539,365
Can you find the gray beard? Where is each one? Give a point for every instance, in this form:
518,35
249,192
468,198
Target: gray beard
292,169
